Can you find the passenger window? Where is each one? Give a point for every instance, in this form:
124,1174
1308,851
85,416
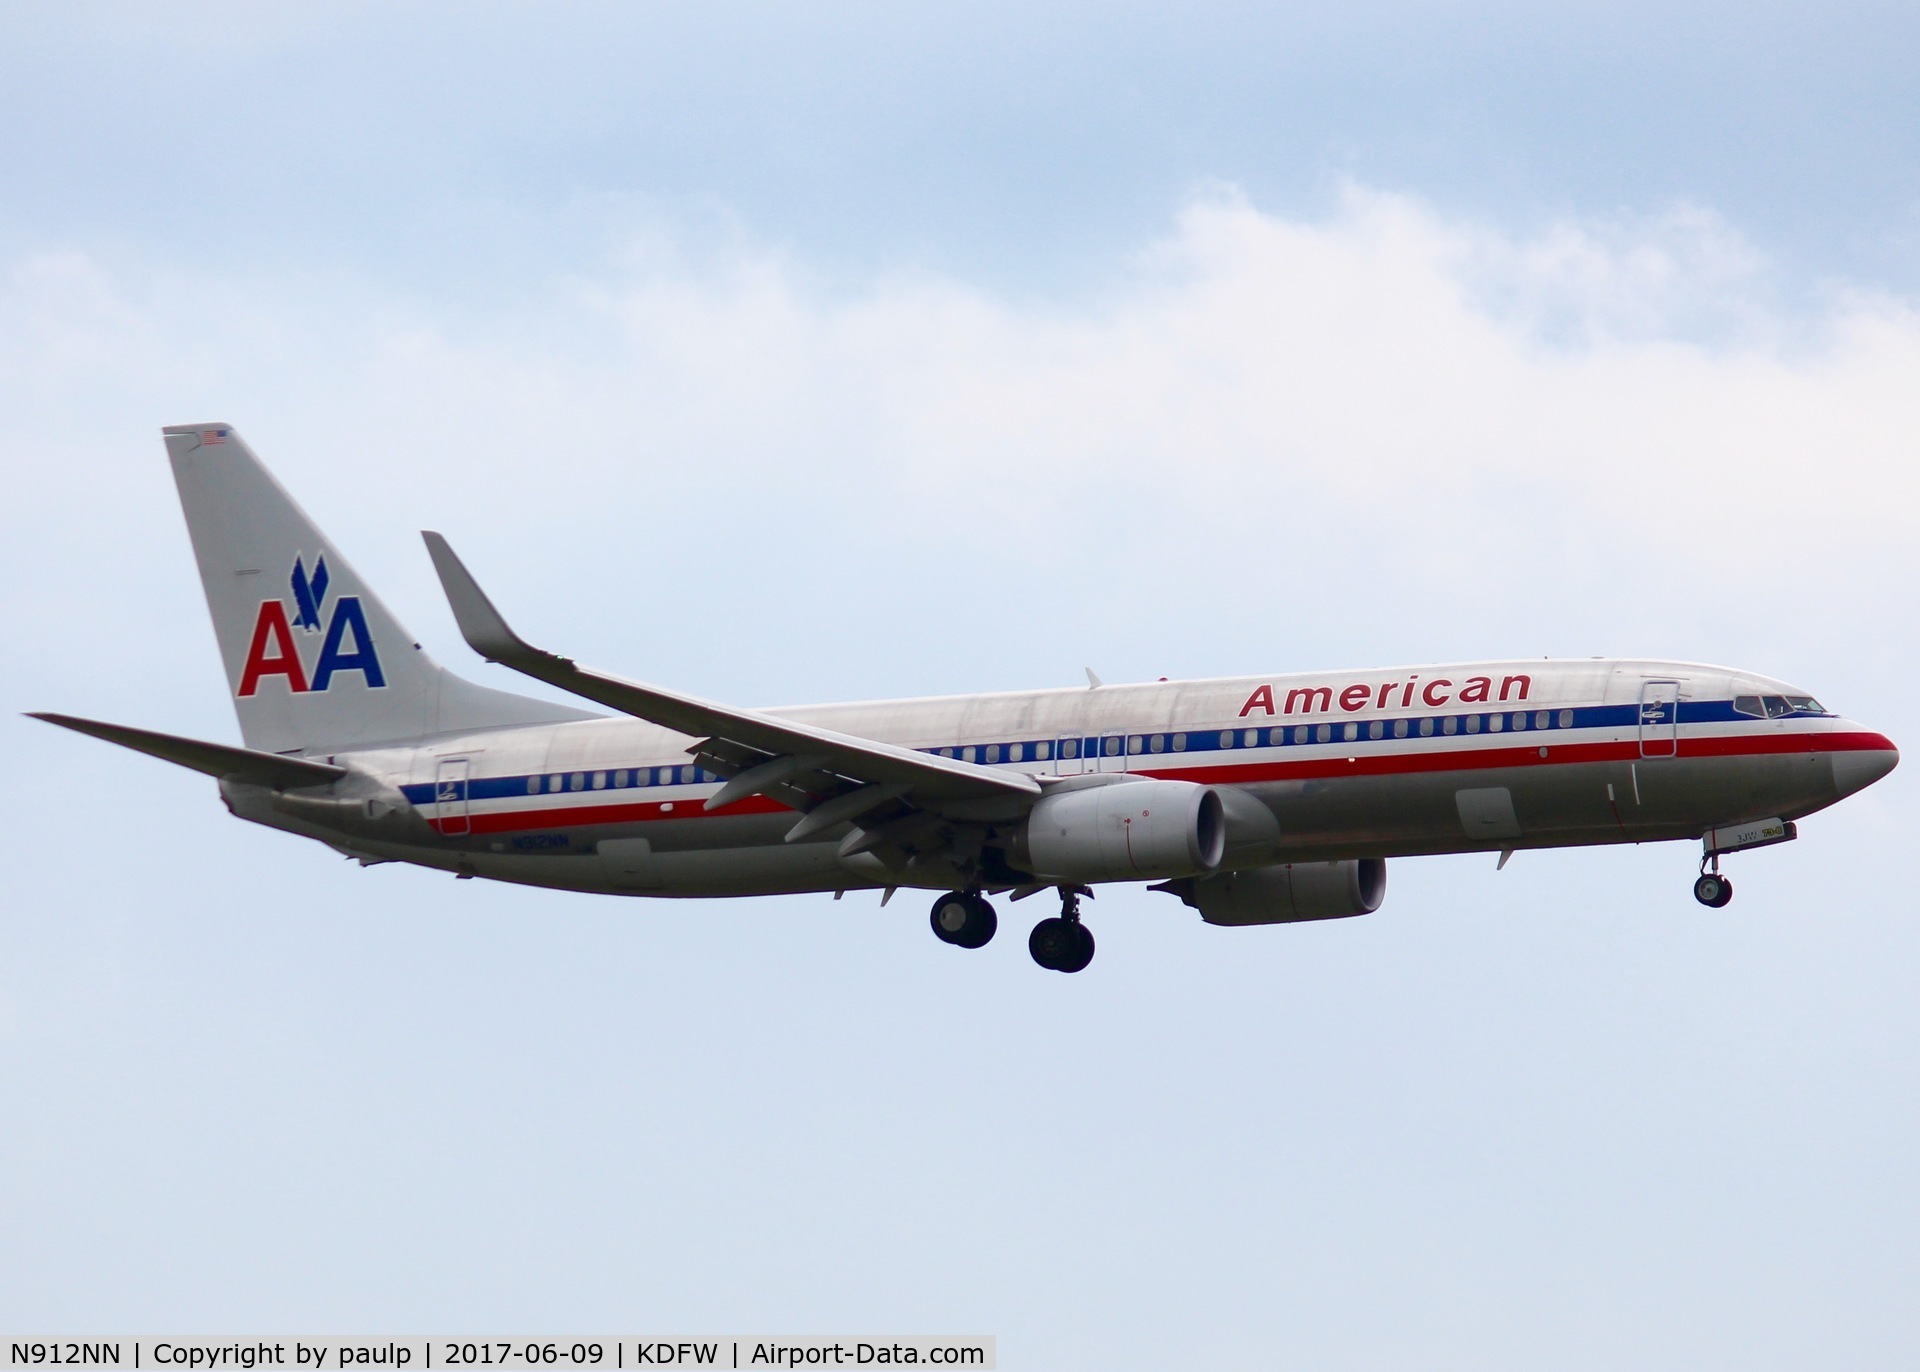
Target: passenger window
620,777
1519,719
1376,729
1450,725
533,786
993,752
1042,751
1495,723
1473,724
1566,719
1350,733
1276,738
1301,733
1399,728
578,782
1226,738
1540,719
1323,733
599,781
1179,743
1135,743
1110,745
1251,738
1069,747
1159,743
554,783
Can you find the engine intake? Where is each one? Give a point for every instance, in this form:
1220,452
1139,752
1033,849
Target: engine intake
1126,831
1288,893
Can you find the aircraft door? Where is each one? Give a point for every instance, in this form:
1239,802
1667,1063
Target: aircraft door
1067,761
1659,718
1112,753
450,795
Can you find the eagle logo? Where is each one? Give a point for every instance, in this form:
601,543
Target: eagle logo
309,593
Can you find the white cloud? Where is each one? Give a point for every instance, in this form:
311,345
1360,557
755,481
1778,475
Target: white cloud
1379,397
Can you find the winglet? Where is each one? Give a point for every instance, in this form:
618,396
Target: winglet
481,625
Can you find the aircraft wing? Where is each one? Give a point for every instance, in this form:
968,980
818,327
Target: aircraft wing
215,759
749,746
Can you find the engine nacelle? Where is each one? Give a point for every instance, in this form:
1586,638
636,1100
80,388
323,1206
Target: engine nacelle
1126,831
1288,893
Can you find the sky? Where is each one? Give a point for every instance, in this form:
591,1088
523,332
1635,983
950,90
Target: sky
858,351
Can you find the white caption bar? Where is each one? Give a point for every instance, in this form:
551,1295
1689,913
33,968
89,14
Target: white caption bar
183,1354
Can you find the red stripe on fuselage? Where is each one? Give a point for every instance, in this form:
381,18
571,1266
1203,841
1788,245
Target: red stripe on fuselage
1531,755
567,816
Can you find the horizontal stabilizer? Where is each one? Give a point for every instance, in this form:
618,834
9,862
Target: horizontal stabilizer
923,777
215,759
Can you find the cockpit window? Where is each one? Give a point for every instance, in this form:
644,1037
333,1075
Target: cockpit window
1777,707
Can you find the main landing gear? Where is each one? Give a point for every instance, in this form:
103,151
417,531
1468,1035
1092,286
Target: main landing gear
964,920
1060,944
1063,943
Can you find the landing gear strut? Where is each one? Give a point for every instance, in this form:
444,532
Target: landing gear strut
1063,944
964,919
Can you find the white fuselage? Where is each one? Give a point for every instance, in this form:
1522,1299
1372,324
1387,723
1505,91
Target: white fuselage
1374,763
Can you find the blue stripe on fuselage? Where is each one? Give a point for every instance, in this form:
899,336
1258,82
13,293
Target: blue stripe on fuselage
1021,752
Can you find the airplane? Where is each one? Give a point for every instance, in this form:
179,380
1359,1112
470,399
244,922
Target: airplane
1252,800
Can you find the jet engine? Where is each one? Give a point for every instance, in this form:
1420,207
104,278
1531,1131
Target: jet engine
1287,893
1124,832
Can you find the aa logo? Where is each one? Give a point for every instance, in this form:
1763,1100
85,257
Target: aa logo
345,644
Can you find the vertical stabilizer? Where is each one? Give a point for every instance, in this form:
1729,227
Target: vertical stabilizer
314,660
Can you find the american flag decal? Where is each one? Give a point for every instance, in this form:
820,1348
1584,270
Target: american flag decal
212,436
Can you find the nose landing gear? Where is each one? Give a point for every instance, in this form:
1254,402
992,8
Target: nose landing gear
1063,943
964,919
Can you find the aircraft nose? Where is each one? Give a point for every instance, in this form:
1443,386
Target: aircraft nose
1871,758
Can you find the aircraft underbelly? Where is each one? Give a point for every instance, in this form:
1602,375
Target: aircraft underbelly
1481,809
1527,807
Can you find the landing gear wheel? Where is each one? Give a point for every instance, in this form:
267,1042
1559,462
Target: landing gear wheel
1082,949
1061,945
1713,890
965,921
